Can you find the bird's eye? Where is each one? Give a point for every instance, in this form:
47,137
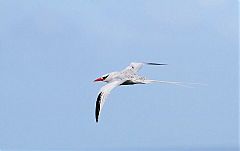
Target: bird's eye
104,77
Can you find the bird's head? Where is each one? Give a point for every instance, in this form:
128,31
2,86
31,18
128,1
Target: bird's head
106,77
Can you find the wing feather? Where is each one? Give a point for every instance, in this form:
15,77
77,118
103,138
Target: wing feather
102,95
135,67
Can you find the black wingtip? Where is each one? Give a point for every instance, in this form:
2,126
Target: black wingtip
151,63
97,109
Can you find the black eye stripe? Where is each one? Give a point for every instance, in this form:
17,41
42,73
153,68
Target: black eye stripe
105,77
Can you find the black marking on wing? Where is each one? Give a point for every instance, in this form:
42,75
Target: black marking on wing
150,63
128,82
98,103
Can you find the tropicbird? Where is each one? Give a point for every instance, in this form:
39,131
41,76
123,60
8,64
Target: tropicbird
128,76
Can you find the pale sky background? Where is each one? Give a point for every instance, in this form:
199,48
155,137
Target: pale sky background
51,51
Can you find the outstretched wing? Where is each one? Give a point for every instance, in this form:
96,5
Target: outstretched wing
135,67
102,95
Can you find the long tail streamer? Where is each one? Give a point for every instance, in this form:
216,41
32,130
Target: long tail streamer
184,84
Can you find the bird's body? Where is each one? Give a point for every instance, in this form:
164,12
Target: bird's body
128,76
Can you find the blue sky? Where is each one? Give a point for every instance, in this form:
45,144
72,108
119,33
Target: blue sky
51,51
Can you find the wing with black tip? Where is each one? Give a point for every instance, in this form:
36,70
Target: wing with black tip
135,67
102,95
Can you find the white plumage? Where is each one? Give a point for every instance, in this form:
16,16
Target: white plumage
128,76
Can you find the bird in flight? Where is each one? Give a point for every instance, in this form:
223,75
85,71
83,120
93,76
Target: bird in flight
128,76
